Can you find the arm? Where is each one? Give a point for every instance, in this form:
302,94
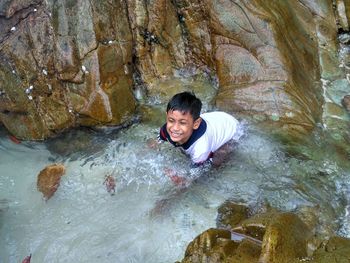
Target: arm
154,143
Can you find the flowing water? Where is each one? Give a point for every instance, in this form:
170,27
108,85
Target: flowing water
149,219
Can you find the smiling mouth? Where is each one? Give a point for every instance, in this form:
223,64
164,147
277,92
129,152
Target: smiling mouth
175,134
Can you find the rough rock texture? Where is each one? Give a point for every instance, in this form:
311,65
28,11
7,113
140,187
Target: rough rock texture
231,214
215,246
336,249
272,70
49,179
68,63
64,65
265,237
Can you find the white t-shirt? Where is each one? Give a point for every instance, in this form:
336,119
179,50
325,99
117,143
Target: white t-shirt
216,129
221,128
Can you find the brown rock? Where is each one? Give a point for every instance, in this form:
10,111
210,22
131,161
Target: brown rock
247,251
268,56
49,179
76,78
213,245
285,239
256,225
336,249
231,214
216,246
259,70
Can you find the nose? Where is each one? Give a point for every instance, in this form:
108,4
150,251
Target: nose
176,126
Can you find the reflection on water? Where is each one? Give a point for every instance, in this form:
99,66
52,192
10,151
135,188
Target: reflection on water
149,219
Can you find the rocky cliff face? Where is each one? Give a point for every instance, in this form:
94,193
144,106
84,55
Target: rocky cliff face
64,63
67,63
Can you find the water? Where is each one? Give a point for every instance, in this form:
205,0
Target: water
148,219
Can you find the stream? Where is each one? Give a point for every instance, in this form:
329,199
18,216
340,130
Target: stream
149,219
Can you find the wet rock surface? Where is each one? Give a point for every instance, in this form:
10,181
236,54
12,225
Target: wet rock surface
270,236
336,249
57,73
65,64
49,179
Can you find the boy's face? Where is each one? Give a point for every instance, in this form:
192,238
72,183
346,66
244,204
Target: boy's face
180,125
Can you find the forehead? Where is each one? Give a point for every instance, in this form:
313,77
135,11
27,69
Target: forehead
179,115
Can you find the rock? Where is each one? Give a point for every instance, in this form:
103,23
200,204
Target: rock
286,238
283,235
231,214
76,78
346,102
268,59
261,73
266,237
49,179
336,249
213,245
247,251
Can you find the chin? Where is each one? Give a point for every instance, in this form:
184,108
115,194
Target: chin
175,139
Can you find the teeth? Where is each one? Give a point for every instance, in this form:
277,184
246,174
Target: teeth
175,133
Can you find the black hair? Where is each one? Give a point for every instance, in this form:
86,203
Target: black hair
185,102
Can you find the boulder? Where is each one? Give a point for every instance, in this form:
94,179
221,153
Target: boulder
68,63
213,245
57,73
285,239
336,249
270,236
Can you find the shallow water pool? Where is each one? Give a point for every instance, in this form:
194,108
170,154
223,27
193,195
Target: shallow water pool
149,219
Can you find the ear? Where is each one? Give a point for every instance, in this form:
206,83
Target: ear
197,123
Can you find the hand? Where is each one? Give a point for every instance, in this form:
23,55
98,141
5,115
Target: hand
153,144
175,178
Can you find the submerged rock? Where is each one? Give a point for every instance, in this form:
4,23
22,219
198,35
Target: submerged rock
231,214
49,179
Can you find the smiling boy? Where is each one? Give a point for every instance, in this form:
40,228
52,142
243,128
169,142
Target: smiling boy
200,136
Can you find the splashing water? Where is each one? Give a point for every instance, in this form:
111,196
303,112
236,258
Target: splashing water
148,219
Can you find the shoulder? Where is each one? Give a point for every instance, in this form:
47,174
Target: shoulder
217,115
217,119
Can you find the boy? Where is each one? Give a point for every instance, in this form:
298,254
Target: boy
200,136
